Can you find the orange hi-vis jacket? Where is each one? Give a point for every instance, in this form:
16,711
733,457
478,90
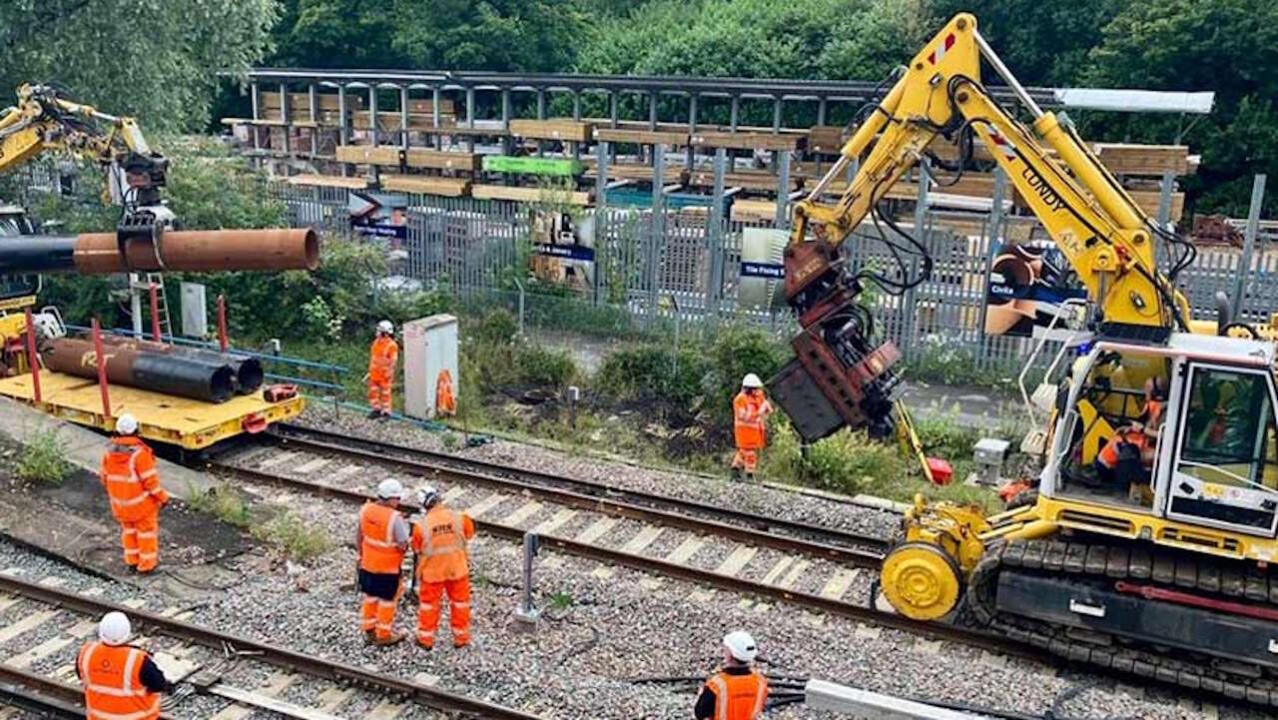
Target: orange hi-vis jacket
128,471
738,697
1108,455
381,359
748,416
113,689
440,542
378,552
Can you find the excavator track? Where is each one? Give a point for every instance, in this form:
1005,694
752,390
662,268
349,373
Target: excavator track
1096,567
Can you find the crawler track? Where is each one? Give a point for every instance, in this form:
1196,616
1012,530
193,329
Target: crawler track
44,603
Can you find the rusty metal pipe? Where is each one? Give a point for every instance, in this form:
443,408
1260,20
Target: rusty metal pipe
248,370
167,374
179,251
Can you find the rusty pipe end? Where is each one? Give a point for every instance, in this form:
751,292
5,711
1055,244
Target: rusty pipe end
201,251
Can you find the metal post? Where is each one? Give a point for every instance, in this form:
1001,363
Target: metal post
603,151
434,116
1165,187
257,115
312,101
372,112
505,120
470,107
520,328
33,359
692,128
995,224
652,111
96,329
1249,242
576,105
658,226
284,118
714,227
526,612
735,113
821,106
223,341
783,189
154,292
908,302
403,117
343,123
541,115
776,115
613,109
135,304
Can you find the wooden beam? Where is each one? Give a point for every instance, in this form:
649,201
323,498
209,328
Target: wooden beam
761,181
442,159
642,173
336,181
553,129
826,139
527,194
753,211
641,137
369,155
426,185
747,141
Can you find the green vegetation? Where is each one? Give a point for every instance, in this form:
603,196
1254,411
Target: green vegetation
222,501
40,459
298,539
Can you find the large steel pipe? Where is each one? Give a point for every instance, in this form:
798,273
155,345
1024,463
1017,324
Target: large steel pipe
248,370
177,250
163,373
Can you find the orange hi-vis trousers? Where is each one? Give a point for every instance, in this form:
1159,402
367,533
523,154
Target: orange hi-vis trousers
141,541
431,596
378,616
379,395
748,459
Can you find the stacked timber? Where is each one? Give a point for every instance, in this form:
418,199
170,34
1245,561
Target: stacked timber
327,107
426,185
673,138
671,175
370,155
757,180
529,194
442,159
553,129
747,140
826,139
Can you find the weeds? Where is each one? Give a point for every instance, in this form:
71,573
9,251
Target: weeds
41,458
223,502
298,539
559,601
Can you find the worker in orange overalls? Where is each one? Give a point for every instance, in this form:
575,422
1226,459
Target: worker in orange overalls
381,370
382,539
750,411
439,539
445,400
133,485
120,681
738,690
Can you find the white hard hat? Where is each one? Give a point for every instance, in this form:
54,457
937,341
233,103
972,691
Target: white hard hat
427,496
385,326
751,381
114,629
741,646
390,489
126,424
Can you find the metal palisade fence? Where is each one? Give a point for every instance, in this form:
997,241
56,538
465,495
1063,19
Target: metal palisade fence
680,268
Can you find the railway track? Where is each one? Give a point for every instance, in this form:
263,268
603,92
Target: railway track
42,628
814,584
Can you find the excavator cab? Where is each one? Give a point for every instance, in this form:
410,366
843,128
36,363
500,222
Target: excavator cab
16,287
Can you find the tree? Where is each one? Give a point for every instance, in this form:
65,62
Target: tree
498,35
337,34
158,60
1225,46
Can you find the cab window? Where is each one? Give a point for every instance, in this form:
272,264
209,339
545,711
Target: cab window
1230,435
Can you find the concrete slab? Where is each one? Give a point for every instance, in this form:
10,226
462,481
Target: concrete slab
83,447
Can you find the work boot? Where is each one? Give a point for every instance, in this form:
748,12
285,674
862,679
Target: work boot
749,477
458,644
394,638
369,637
373,414
736,473
426,645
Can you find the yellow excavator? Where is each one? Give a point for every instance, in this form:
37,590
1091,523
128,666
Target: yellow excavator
1148,543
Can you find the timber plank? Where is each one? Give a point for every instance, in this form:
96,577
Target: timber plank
442,159
553,129
642,173
526,194
746,141
369,154
442,186
762,181
826,139
753,211
352,183
641,137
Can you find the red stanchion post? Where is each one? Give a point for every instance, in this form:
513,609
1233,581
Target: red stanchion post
222,339
33,359
101,361
155,313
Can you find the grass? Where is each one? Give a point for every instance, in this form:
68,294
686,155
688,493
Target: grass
41,460
559,601
221,501
298,539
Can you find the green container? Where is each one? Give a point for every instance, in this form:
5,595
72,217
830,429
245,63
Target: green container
556,167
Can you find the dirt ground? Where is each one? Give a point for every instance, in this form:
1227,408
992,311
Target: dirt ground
72,519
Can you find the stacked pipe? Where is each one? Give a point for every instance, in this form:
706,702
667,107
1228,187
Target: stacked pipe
170,250
247,370
166,373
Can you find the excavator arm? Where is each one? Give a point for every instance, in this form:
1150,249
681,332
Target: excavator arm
841,374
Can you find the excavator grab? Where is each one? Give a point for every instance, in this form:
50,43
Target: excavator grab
1148,544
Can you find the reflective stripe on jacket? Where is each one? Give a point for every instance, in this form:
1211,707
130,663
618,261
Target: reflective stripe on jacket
132,483
440,541
749,414
378,552
1108,455
381,359
113,689
738,697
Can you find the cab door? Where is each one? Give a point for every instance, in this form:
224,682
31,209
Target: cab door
1225,465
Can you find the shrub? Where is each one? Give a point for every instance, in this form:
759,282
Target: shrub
653,372
298,539
544,367
737,351
41,458
221,501
497,327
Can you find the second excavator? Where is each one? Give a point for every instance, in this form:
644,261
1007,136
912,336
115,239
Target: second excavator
1147,542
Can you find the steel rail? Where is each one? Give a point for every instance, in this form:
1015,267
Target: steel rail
41,694
270,654
703,577
837,545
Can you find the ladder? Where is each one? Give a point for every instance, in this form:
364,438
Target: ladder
142,292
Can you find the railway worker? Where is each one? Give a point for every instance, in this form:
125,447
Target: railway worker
120,680
750,411
382,539
738,690
133,486
440,540
382,357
